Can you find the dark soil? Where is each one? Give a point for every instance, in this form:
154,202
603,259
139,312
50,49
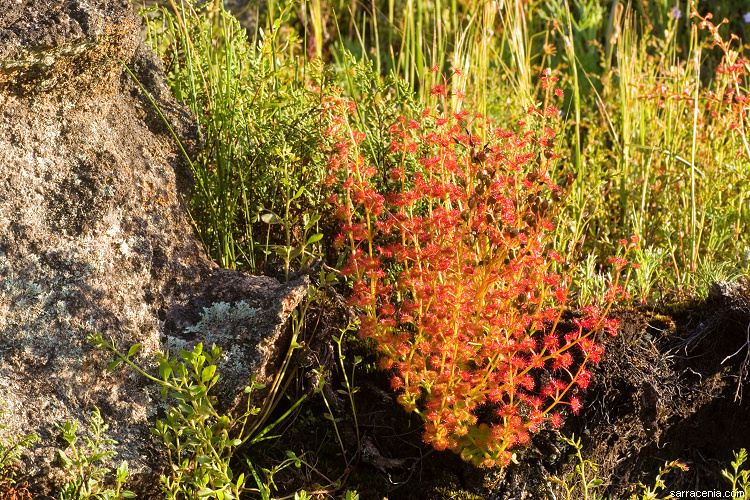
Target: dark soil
669,388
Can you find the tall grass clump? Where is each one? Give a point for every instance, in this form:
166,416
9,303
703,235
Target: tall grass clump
261,125
263,113
680,153
655,133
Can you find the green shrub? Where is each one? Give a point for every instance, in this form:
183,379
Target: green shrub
86,464
11,448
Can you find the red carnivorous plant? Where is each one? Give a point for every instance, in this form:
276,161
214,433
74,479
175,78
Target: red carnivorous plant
457,279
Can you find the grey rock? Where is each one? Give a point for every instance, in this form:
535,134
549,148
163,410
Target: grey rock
94,236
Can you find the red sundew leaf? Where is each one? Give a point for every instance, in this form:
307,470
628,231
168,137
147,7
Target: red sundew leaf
596,353
562,361
405,368
438,90
571,336
414,391
406,319
559,385
556,420
385,363
536,361
527,382
575,405
424,348
551,279
517,363
496,394
397,383
440,444
583,379
611,325
551,342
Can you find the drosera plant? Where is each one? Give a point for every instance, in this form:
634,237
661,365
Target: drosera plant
457,280
200,441
87,464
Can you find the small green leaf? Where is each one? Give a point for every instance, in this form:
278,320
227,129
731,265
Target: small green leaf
594,483
122,470
64,459
197,391
208,373
271,219
114,364
310,221
165,371
181,396
204,459
205,411
127,494
133,349
314,238
185,409
215,352
205,493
